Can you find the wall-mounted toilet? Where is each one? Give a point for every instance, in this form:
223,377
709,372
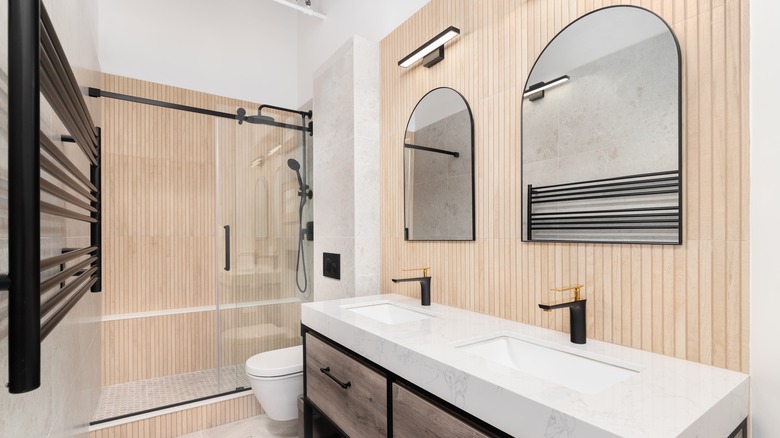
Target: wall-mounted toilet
277,380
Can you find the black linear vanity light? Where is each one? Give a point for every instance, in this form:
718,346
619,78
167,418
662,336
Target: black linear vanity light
536,91
431,52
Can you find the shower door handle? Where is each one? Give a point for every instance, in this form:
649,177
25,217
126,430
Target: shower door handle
227,247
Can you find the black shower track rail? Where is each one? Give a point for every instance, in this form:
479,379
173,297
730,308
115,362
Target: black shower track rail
96,92
569,215
37,64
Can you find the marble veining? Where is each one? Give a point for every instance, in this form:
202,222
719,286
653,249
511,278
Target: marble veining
669,397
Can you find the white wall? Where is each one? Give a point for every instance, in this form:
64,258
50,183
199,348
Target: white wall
255,50
319,39
245,49
764,216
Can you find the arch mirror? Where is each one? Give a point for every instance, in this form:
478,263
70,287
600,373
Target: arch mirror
601,133
439,169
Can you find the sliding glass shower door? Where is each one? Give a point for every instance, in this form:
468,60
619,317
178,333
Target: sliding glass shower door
258,241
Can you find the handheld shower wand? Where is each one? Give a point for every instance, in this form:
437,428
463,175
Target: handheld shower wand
304,193
303,189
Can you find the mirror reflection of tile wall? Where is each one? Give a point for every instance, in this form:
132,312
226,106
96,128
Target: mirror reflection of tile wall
442,183
617,116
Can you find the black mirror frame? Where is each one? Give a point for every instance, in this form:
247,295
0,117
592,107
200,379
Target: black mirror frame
523,194
473,188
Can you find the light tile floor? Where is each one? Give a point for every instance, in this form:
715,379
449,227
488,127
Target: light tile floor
132,397
254,427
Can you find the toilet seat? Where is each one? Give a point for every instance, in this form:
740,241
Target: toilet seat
276,363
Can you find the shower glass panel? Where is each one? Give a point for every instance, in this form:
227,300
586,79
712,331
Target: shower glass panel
258,300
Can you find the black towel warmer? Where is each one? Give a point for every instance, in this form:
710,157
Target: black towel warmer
37,64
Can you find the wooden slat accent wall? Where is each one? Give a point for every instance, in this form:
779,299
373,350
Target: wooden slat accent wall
163,247
688,301
187,421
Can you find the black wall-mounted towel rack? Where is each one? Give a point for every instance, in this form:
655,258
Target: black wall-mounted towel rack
625,203
37,64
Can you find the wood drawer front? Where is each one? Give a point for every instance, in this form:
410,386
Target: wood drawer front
359,410
415,417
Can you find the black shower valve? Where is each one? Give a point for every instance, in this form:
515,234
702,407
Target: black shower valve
308,232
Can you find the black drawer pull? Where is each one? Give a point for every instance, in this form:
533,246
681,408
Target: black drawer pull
327,373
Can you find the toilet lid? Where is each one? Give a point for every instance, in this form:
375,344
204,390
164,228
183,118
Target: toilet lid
276,363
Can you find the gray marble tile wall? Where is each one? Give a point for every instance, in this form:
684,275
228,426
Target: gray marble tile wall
441,183
70,374
346,169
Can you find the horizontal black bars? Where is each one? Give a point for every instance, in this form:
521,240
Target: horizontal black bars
660,227
60,174
621,210
48,26
639,175
47,305
427,149
64,275
618,195
65,257
5,282
64,100
573,215
96,92
63,194
49,325
620,221
588,190
61,158
62,108
64,212
587,185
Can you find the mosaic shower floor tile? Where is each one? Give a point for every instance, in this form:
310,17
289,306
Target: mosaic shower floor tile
142,395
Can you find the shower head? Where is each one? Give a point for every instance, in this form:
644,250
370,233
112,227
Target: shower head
255,120
258,119
296,167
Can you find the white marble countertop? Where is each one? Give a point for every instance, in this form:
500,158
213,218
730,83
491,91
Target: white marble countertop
668,397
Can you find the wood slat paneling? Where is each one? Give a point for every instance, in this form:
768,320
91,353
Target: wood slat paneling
689,301
163,245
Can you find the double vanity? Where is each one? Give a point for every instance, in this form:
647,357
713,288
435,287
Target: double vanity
386,366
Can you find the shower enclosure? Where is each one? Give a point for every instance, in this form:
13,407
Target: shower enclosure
264,248
180,325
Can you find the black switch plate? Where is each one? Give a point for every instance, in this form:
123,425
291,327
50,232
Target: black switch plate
331,265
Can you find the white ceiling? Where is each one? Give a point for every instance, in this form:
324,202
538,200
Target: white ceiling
256,50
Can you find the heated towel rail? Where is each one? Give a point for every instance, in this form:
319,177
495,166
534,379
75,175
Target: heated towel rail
37,64
641,208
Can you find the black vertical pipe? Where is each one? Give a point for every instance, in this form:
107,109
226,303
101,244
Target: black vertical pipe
96,230
24,195
529,213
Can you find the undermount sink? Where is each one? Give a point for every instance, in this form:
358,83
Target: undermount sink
553,363
387,312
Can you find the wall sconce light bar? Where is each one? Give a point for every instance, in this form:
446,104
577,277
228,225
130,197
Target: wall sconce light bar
536,91
434,43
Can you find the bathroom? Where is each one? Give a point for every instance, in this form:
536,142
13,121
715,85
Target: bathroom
173,324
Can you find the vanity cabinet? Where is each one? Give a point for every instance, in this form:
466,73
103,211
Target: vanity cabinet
348,392
414,416
364,400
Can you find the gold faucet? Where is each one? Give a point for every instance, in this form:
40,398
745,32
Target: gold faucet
575,287
425,271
